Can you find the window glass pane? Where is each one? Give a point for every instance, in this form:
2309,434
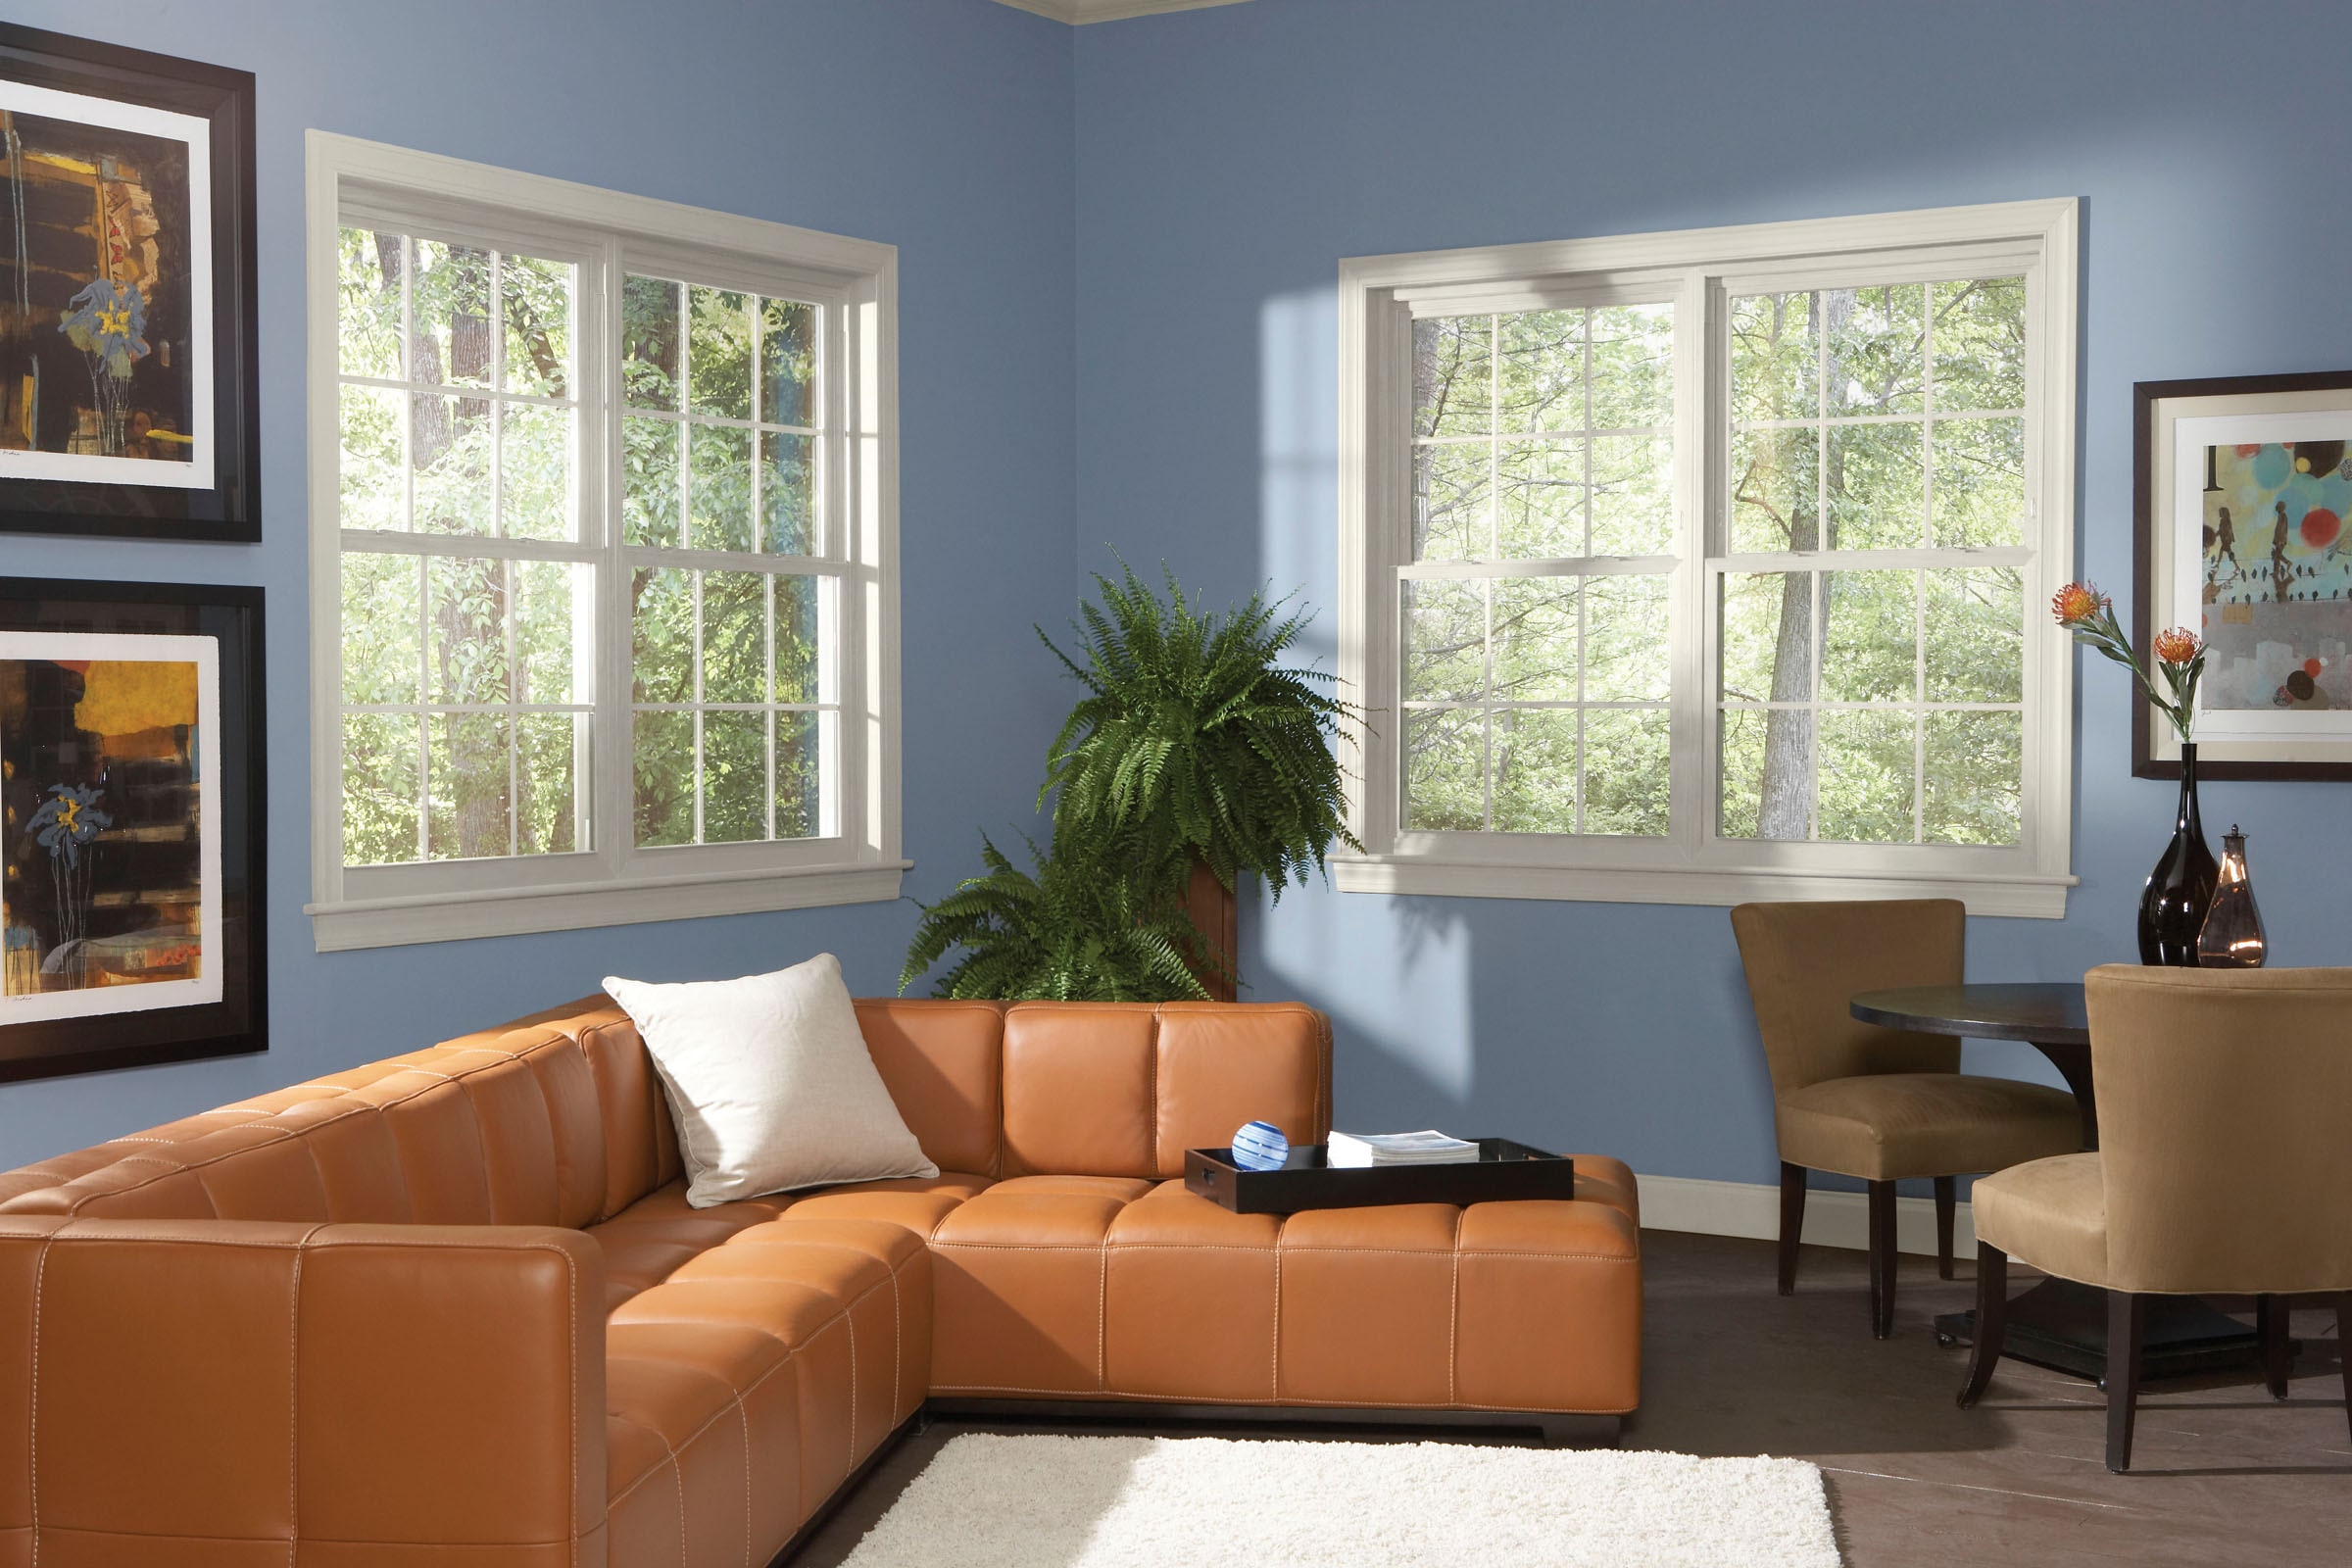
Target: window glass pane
465,630
552,750
1876,488
1445,639
1774,498
1535,639
1633,495
663,662
1625,655
734,637
798,774
448,447
1539,378
535,472
368,311
1627,771
1445,771
1975,649
1979,482
788,337
1633,366
720,499
1774,358
374,484
718,353
734,777
649,343
1974,776
545,634
1449,501
1535,769
799,639
536,299
1871,640
1868,760
788,493
382,641
1766,774
380,781
649,480
1452,375
1767,636
450,338
1980,336
662,744
1877,340
468,786
1542,498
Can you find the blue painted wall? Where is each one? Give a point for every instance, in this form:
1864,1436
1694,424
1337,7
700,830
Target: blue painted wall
942,127
1118,248
1227,159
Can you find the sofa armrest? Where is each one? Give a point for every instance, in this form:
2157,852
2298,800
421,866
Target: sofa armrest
376,1392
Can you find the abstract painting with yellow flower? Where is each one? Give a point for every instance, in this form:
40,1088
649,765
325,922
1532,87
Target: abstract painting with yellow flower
109,860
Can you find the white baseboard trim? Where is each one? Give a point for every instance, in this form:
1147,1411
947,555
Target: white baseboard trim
1832,1219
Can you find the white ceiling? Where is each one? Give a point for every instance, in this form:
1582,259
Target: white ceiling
1078,11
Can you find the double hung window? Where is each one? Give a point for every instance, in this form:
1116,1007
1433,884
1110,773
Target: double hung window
604,557
1698,568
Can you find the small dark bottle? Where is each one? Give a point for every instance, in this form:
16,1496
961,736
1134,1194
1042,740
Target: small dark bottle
2171,907
2231,936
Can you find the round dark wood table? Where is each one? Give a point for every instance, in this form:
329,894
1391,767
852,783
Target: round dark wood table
2058,1323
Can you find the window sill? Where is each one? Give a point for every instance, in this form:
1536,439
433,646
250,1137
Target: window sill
515,911
2021,896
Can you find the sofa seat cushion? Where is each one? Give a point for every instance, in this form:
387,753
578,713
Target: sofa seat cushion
646,1242
1082,1287
769,1366
917,1203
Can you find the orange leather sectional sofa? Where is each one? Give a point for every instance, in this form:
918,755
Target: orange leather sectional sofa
454,1306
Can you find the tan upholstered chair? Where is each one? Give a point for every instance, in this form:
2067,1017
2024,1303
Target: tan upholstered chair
1883,1105
2223,1166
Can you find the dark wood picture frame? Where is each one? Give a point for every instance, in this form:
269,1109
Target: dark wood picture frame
229,511
237,1023
2145,395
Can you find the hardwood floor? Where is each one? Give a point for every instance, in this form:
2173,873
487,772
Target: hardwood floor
2221,1473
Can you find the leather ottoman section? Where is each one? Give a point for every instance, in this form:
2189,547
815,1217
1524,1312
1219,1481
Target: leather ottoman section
702,1437
1600,1179
1017,1282
1367,1305
1548,1309
1188,1301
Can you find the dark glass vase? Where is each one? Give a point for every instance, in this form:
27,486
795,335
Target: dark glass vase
2172,908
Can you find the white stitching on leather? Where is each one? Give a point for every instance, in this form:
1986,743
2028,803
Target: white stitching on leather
1274,1378
1453,1315
33,1403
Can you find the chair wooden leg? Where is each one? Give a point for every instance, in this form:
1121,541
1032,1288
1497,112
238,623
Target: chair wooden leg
1947,1200
1793,1222
2127,1326
2343,1337
1992,1320
1881,1259
2270,1327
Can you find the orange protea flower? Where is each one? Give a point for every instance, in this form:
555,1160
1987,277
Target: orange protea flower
2076,602
2177,646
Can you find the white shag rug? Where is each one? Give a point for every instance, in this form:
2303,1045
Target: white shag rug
995,1501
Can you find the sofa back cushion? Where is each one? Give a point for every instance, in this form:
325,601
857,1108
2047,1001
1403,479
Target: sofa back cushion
1122,1089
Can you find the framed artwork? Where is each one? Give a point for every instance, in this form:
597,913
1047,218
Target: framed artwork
128,378
2243,493
132,825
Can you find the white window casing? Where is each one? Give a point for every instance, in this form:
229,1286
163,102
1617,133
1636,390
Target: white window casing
1700,271
853,853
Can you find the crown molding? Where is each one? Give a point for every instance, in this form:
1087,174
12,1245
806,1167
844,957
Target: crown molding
1079,12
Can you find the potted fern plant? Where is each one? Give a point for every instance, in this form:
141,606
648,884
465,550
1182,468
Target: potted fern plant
1196,756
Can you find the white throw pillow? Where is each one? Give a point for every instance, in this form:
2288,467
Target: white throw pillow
771,1082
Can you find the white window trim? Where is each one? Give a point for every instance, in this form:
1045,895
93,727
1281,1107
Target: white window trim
1376,300
617,884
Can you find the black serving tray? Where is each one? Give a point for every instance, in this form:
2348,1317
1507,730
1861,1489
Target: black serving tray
1505,1171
